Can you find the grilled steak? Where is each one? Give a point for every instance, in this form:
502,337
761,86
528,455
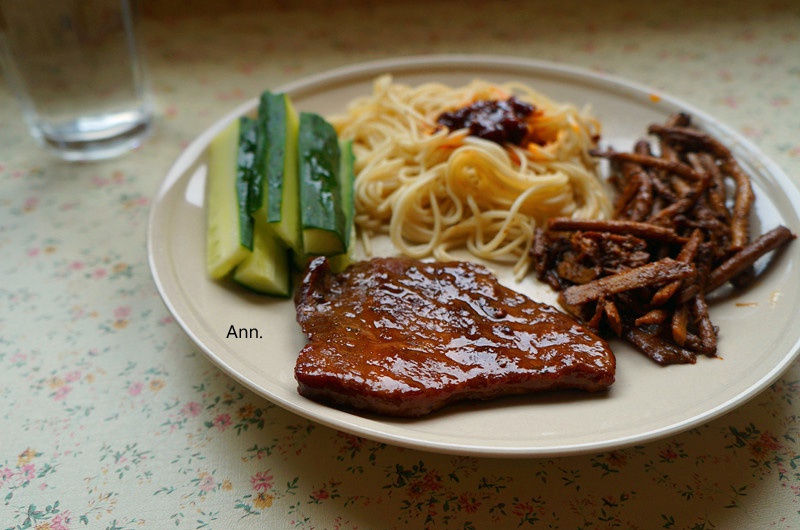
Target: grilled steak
402,337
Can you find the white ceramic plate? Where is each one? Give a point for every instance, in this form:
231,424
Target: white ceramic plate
758,334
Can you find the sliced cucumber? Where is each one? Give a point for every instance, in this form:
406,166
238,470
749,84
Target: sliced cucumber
245,167
280,189
229,227
277,169
256,186
325,230
266,270
346,181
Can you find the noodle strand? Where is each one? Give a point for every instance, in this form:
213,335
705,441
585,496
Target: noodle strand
432,190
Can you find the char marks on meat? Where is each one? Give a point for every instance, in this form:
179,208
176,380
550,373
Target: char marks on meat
401,337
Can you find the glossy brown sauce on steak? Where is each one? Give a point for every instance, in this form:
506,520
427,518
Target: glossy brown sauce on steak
401,337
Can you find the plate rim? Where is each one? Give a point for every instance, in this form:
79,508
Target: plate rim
638,91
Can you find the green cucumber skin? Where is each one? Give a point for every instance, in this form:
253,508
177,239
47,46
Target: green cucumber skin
256,195
341,261
273,122
245,160
320,193
347,178
281,209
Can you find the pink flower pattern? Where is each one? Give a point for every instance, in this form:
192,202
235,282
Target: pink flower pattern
262,481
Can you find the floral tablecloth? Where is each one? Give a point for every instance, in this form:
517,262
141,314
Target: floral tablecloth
112,418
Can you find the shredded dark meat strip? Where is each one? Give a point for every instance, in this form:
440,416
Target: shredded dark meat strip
673,166
708,334
662,351
617,226
656,273
680,231
746,257
680,323
744,196
686,255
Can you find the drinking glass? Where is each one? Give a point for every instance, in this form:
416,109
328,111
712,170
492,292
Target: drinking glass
78,72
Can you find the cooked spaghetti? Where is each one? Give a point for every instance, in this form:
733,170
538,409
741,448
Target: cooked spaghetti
434,188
